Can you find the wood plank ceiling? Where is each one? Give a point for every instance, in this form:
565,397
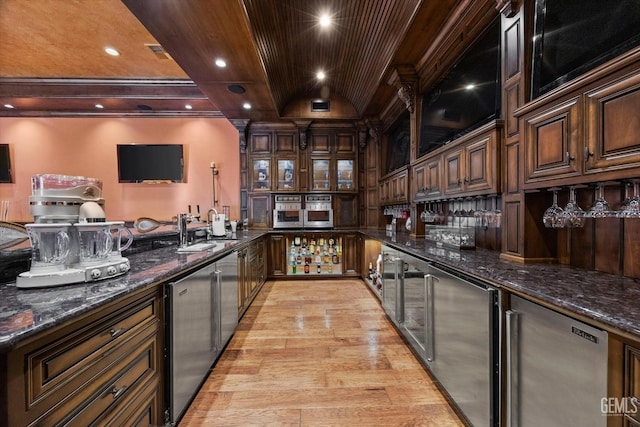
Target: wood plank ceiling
51,61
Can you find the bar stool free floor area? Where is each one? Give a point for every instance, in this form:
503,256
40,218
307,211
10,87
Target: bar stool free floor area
318,353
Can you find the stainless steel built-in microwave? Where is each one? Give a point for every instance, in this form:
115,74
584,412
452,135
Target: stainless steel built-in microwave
318,211
288,211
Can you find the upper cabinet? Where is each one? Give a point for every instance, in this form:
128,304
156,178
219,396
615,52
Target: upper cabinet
471,168
317,158
320,174
332,160
589,136
345,174
394,188
613,126
468,166
286,174
261,174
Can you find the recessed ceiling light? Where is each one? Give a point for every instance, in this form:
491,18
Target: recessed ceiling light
320,75
325,20
221,63
246,106
112,51
9,106
99,106
188,107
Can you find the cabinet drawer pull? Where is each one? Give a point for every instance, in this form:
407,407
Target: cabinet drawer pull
587,153
115,332
570,157
117,392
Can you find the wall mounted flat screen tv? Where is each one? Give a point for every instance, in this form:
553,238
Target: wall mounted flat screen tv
399,143
467,96
6,175
150,163
575,36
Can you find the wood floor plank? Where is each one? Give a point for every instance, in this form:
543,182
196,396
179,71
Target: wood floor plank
318,353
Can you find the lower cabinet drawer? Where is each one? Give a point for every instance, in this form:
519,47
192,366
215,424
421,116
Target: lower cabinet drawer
76,372
141,410
69,359
119,383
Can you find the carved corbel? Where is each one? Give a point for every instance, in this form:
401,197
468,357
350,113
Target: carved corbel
374,130
303,128
242,126
404,78
405,93
362,138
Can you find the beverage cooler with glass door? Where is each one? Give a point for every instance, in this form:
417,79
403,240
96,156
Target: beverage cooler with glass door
451,322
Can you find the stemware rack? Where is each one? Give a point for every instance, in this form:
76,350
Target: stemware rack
573,216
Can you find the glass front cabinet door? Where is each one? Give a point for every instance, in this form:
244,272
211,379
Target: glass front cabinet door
286,179
320,174
344,172
261,175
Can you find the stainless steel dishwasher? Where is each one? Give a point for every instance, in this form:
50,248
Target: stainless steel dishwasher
202,313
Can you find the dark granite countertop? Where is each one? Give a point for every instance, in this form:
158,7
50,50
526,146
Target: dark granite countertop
25,312
611,301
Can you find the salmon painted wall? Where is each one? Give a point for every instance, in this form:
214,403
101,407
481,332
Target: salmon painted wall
87,147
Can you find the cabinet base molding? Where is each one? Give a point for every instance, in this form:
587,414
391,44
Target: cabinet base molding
525,260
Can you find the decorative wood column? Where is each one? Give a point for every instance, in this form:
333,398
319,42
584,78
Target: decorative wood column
521,238
243,127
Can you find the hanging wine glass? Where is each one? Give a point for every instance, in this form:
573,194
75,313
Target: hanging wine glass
600,207
573,215
440,217
553,216
632,207
424,216
480,213
625,202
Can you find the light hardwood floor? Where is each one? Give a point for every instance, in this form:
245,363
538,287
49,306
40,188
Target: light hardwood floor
318,353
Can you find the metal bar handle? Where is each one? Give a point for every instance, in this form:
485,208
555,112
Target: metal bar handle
512,366
117,392
215,316
427,279
430,344
399,290
116,332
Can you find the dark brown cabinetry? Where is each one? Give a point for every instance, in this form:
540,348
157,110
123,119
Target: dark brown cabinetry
632,384
591,136
426,178
104,367
260,210
332,174
330,254
613,126
277,262
332,160
351,254
395,187
553,148
251,273
345,211
470,168
316,158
